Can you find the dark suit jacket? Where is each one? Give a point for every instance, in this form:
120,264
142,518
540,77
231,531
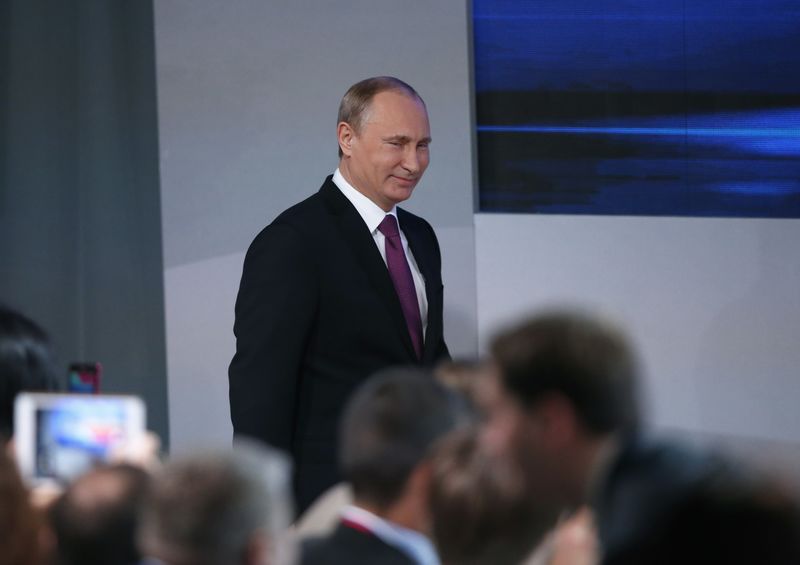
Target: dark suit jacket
316,315
646,485
348,546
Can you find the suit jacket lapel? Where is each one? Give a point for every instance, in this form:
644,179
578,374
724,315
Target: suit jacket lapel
359,239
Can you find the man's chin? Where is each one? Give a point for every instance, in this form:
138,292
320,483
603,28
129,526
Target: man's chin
400,194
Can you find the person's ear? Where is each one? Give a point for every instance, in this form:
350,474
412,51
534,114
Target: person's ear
421,477
11,448
558,419
346,134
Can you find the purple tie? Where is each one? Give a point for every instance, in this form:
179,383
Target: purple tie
403,282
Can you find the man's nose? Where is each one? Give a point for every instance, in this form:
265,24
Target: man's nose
411,161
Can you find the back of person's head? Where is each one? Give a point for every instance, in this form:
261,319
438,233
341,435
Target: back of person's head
479,513
95,520
227,507
388,428
20,523
581,357
356,102
26,363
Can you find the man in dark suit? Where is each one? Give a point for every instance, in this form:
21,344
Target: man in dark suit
387,432
339,286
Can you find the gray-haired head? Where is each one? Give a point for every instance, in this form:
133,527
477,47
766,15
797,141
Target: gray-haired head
218,507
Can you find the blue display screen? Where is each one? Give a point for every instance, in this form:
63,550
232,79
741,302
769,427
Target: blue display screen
638,108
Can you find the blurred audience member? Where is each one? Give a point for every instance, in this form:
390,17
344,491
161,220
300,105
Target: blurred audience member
223,508
387,431
479,514
567,415
465,378
95,520
24,539
565,404
26,364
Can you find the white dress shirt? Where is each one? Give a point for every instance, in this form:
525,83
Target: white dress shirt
373,215
414,544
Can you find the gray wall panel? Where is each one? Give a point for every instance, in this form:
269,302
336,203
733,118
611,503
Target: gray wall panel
80,222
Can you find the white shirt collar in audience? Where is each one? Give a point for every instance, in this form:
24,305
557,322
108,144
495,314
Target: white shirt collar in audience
412,543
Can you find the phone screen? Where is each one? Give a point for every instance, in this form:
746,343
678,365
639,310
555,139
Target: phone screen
84,378
74,435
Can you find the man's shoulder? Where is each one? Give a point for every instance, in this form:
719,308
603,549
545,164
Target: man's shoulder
649,479
660,463
302,212
307,216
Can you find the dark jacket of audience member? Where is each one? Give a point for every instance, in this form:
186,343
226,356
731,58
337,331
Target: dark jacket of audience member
26,363
95,521
727,517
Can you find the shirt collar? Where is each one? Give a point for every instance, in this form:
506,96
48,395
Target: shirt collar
412,543
371,213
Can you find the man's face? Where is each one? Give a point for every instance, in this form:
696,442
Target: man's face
386,159
516,436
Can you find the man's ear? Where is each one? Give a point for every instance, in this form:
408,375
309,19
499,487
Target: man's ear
558,419
11,448
346,135
421,476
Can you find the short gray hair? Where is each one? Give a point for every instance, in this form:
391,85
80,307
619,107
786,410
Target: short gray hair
205,509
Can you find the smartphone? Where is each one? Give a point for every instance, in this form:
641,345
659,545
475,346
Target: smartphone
84,378
60,436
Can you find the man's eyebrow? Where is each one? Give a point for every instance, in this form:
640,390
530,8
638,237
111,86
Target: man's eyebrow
405,138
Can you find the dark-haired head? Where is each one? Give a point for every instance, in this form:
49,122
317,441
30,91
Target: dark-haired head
26,363
388,429
582,357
